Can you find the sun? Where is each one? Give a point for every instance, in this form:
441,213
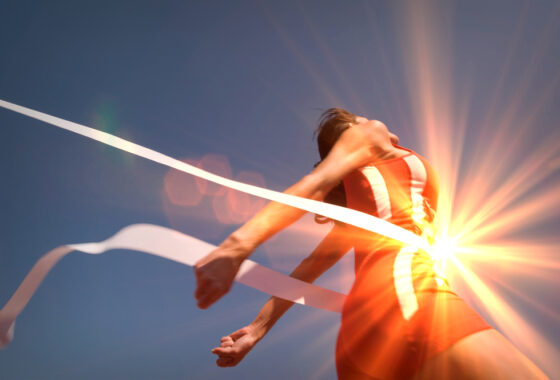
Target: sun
443,249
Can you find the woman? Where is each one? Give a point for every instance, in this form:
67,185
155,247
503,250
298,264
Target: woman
400,320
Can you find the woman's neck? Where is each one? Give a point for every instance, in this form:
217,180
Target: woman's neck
389,152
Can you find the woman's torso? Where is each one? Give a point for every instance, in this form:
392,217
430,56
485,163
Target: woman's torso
402,190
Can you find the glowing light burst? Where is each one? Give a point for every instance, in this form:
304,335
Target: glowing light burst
442,250
508,187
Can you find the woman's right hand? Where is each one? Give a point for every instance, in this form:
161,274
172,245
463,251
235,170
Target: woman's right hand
216,271
235,346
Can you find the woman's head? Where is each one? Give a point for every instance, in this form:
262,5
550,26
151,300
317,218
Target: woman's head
332,123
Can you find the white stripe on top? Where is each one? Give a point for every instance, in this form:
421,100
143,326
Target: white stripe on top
418,178
402,277
380,193
402,267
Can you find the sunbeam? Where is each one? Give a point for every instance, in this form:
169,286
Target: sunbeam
508,184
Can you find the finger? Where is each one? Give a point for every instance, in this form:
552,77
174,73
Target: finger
206,301
202,286
204,295
226,343
238,334
203,303
225,361
222,351
208,298
199,291
206,288
226,339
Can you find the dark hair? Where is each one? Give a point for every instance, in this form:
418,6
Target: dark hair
332,123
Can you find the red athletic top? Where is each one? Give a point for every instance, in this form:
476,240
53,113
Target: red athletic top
402,190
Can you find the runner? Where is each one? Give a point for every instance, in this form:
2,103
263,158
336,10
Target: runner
400,319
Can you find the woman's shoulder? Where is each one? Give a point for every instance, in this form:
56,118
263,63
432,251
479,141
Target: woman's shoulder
398,154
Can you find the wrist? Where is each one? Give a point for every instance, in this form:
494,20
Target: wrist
257,330
239,246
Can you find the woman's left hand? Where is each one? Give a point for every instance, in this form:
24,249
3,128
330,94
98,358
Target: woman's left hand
235,346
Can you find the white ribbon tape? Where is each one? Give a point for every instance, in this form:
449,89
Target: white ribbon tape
342,214
172,245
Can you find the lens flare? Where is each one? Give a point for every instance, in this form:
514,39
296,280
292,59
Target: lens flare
217,164
182,190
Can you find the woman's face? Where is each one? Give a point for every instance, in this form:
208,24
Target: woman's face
378,127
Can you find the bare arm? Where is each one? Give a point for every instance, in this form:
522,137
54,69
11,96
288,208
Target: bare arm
235,346
215,272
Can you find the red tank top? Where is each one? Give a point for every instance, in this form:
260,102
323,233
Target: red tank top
403,191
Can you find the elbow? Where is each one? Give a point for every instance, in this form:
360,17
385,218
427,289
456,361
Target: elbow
320,185
312,186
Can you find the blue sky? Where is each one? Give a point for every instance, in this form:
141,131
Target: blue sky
245,81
